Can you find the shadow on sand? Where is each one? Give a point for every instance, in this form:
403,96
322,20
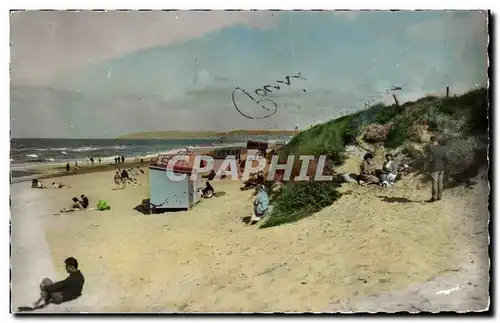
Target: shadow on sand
145,208
393,199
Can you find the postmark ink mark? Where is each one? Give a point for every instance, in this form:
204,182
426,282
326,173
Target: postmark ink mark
264,102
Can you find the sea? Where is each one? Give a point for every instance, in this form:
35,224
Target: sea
27,153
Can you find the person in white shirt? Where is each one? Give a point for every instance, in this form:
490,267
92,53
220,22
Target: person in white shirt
389,171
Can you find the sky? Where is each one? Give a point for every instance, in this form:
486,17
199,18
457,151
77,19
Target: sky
104,74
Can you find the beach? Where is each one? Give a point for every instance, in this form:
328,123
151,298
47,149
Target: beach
364,252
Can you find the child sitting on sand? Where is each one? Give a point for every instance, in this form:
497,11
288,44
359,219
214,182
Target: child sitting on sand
57,185
261,204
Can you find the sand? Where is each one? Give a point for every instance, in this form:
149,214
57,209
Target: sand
373,250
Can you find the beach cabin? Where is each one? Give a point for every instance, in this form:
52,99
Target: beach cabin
257,146
166,192
221,154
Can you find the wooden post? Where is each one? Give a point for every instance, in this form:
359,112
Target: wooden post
447,91
396,99
397,104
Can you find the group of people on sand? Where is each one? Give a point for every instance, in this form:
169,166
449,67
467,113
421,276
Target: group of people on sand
91,160
122,178
77,205
386,176
68,167
436,163
119,160
36,183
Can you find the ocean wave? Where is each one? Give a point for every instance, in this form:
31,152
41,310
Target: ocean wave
32,155
88,148
39,149
120,147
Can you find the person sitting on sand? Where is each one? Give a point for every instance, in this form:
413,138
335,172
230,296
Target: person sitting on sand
84,202
57,185
253,181
75,207
40,185
126,178
389,171
250,183
261,204
64,290
368,170
208,191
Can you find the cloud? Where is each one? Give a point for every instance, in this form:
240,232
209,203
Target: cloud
466,35
188,85
66,40
451,25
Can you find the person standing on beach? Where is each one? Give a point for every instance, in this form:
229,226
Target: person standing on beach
118,180
99,160
437,162
67,167
123,159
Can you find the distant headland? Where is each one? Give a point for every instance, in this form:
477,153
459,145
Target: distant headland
203,134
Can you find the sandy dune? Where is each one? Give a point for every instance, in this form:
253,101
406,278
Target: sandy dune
370,242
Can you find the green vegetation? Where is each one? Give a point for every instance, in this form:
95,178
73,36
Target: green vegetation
461,121
299,200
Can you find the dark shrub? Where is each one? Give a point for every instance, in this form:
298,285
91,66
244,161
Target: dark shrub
301,199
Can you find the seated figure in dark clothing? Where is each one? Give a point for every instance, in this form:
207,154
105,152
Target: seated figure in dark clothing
84,202
208,191
64,290
253,181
